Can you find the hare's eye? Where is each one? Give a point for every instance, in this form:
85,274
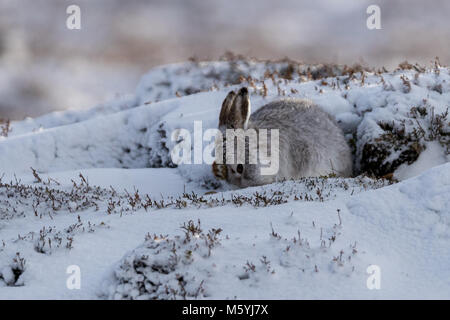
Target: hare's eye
240,168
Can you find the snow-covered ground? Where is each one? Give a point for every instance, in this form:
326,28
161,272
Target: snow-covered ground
106,196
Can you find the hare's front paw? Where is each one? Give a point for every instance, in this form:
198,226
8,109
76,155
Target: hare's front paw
219,170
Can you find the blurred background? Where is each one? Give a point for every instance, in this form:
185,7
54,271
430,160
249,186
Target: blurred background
44,66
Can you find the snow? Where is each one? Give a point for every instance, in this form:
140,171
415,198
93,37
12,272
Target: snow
431,157
314,238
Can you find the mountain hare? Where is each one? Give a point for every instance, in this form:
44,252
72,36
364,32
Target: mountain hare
309,141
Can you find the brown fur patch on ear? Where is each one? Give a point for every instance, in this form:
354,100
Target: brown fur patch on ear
219,170
240,110
226,107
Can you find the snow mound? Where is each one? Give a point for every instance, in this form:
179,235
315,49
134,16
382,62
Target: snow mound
11,273
163,268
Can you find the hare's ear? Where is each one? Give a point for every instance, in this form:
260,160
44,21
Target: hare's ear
240,110
226,107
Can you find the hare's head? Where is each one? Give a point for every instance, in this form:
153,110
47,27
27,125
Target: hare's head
236,130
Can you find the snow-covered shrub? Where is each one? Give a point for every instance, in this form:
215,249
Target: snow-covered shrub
402,141
165,268
5,128
51,239
322,254
159,155
11,274
182,79
46,197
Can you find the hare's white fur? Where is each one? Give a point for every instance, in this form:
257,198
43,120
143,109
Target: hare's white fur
310,142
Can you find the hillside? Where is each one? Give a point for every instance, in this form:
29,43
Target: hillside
97,188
